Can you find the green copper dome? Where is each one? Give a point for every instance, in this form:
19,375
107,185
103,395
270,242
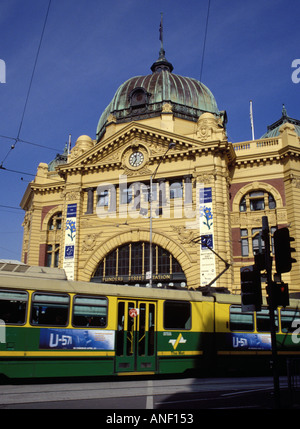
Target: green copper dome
273,130
143,97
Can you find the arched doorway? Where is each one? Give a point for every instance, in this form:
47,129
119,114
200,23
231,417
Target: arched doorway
129,265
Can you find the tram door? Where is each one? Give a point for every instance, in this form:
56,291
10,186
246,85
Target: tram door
136,336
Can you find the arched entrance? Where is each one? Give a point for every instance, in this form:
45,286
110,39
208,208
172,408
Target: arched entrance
129,265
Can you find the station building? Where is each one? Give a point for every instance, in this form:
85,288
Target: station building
159,197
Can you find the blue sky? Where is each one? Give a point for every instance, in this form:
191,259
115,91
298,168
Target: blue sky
90,47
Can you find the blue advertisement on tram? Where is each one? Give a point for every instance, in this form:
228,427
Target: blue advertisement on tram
76,339
243,341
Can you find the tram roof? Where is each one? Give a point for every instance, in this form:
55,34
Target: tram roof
54,280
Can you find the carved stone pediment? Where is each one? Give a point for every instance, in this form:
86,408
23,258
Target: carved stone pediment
115,150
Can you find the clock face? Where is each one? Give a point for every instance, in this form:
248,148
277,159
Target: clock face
136,159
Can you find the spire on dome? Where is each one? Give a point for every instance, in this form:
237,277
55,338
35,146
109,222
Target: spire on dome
273,129
284,112
162,63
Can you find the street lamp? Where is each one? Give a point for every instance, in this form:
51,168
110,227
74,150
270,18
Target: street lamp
171,145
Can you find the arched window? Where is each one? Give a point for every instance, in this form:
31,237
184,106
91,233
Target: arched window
257,201
130,265
55,222
53,240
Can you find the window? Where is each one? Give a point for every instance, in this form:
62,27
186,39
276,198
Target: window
49,309
244,242
13,306
138,97
53,240
103,198
243,206
55,222
130,264
136,258
254,241
258,244
240,321
151,322
110,264
176,190
146,192
163,260
177,315
290,319
52,256
126,195
257,201
263,320
90,311
272,203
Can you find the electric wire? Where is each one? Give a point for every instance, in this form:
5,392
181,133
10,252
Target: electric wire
203,51
10,207
204,42
16,171
17,139
31,143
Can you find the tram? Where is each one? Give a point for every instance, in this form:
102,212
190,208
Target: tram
52,327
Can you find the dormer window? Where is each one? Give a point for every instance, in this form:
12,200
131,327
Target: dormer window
139,97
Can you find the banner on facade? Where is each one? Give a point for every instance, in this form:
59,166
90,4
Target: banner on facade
207,257
70,240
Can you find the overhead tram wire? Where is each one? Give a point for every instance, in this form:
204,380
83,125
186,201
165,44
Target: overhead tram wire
10,207
17,139
204,46
31,143
204,41
16,171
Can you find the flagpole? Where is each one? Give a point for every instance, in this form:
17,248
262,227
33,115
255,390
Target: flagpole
69,145
251,119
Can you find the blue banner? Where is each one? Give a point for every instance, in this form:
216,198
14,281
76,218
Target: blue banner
205,195
71,210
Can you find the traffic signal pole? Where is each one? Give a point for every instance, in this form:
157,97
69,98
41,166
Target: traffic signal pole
272,306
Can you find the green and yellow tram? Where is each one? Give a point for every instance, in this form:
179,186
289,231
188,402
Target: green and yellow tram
52,327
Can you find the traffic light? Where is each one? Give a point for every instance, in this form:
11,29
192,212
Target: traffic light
251,288
283,257
280,294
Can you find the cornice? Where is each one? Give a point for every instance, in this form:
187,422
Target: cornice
108,153
261,151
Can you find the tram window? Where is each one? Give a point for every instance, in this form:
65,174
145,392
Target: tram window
151,329
142,329
89,311
240,321
49,309
13,307
290,319
120,332
177,315
263,320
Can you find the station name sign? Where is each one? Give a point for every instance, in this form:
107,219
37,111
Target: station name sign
137,278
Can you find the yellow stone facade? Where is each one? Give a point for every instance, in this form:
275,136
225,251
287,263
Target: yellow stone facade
245,181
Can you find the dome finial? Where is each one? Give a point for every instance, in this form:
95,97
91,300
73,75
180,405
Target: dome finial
161,63
161,37
284,112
